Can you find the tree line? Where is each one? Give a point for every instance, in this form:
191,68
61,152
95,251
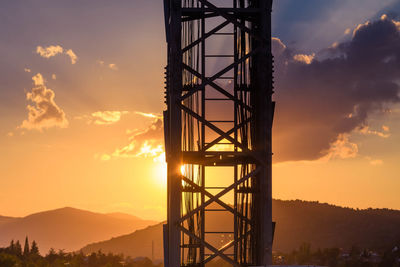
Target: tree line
336,257
29,256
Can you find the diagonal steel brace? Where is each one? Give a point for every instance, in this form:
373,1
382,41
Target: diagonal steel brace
220,194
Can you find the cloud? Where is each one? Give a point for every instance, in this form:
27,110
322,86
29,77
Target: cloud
142,143
102,157
321,103
148,115
107,117
277,46
306,59
385,128
376,162
342,148
113,66
44,113
367,131
72,56
38,79
53,50
49,51
103,117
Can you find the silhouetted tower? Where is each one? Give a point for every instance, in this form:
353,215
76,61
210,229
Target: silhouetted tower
218,132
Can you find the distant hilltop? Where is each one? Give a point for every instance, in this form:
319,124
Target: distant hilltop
68,228
321,225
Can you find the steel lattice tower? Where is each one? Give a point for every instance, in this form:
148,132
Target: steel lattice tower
219,86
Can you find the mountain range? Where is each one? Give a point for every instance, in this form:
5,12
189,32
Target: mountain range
321,225
68,228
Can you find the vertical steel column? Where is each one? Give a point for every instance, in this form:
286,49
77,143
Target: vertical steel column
203,131
174,157
235,134
263,110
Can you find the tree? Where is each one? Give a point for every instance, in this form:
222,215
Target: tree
18,249
26,247
304,254
7,260
51,255
11,248
34,248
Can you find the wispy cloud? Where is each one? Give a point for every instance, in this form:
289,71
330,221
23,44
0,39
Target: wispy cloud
342,148
103,117
112,66
53,50
103,157
107,117
148,115
44,113
367,131
376,162
72,56
146,142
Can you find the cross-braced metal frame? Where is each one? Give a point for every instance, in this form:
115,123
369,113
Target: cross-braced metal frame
219,116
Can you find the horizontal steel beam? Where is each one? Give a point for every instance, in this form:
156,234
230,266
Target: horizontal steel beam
189,11
245,150
216,160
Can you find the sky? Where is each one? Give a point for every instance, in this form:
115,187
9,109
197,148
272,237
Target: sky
81,92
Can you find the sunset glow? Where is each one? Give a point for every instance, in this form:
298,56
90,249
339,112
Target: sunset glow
82,104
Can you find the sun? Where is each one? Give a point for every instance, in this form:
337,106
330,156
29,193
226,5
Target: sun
183,169
160,168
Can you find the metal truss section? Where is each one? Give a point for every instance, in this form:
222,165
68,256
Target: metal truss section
217,127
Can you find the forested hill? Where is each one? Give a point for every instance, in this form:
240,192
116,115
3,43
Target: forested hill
321,225
324,225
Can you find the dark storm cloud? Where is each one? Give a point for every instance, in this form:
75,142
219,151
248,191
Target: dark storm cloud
320,99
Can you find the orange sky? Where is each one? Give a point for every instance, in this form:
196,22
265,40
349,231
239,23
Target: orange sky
99,145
